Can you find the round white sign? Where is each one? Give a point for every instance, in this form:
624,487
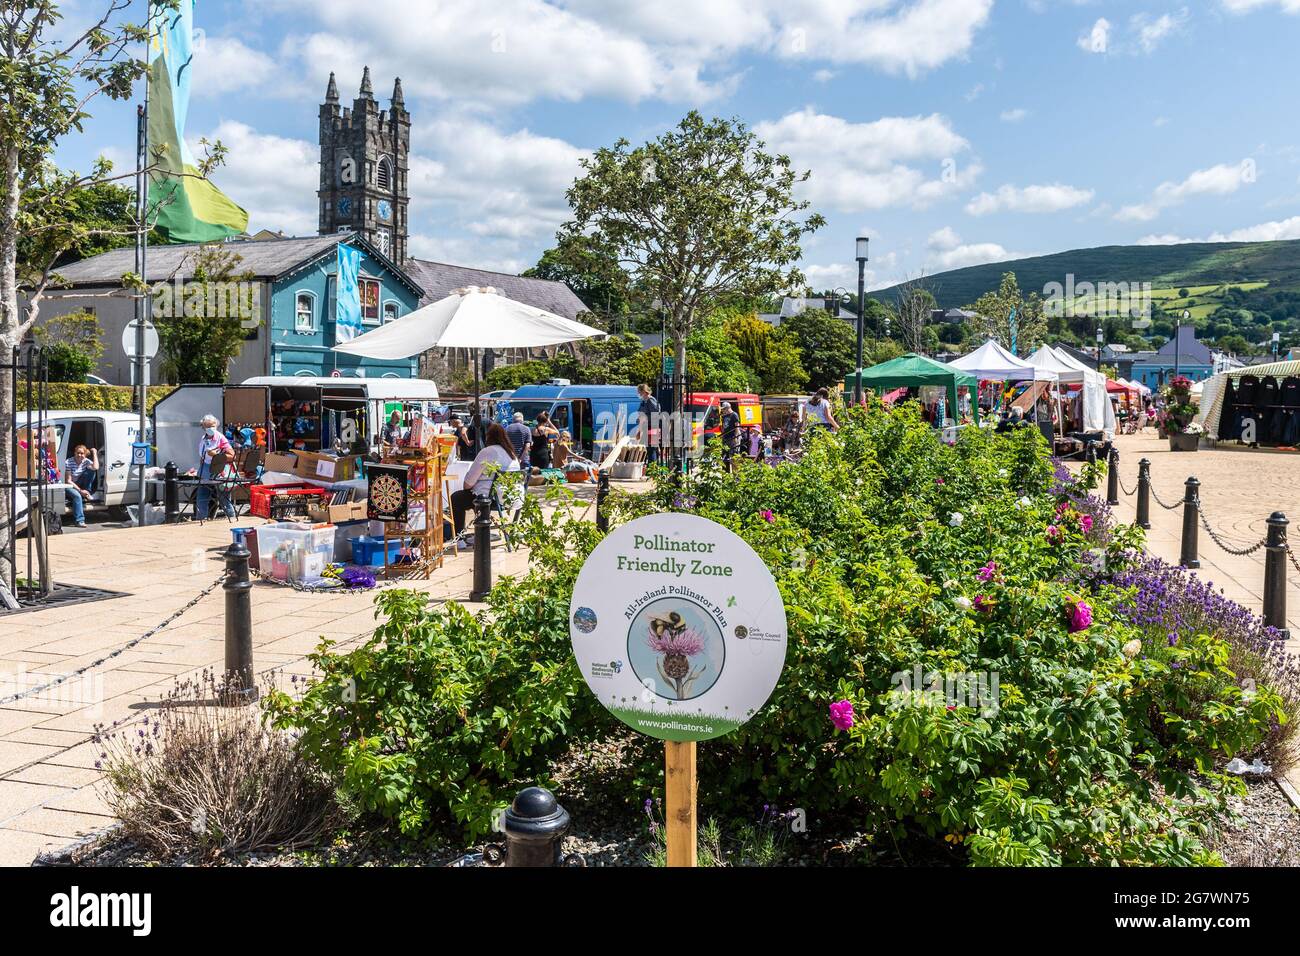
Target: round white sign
150,339
678,627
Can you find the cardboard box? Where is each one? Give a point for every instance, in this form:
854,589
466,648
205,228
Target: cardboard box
338,514
277,462
311,464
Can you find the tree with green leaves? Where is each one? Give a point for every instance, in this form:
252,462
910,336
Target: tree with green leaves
73,345
589,269
701,218
994,311
201,334
772,356
827,346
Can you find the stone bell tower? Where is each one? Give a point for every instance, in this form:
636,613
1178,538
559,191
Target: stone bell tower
364,167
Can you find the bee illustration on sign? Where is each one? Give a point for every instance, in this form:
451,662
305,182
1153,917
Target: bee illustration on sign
686,651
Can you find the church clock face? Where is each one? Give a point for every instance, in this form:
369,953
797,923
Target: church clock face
385,210
345,206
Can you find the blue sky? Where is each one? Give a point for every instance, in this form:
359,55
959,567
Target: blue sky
951,132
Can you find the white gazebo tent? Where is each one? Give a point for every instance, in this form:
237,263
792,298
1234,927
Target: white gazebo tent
1098,415
473,317
993,363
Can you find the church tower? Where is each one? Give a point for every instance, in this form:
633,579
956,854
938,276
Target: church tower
364,164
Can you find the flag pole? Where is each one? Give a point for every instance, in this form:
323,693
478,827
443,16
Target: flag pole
141,257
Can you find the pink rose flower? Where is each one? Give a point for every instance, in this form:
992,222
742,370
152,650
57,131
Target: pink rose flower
766,515
1080,616
1054,532
1085,523
842,714
988,572
983,603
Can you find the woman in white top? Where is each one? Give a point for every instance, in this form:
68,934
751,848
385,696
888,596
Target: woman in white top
819,410
497,455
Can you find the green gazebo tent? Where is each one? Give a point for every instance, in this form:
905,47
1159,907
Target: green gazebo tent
913,371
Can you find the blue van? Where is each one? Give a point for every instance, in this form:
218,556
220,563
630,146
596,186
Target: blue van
596,416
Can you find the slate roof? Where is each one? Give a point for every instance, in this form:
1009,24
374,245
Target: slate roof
265,258
438,279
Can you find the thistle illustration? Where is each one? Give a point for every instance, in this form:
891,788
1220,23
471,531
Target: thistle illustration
677,643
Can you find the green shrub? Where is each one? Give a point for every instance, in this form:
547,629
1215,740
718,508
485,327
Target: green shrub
897,557
106,398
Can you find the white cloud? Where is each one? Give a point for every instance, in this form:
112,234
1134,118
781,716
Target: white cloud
1048,198
514,51
1220,180
275,178
1261,232
1013,116
1096,40
224,64
947,251
894,161
1152,31
1245,6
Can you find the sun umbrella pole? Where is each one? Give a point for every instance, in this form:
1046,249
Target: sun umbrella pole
478,415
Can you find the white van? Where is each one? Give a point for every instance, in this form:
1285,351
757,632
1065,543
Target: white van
111,435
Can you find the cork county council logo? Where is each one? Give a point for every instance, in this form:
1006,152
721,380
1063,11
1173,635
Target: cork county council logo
695,615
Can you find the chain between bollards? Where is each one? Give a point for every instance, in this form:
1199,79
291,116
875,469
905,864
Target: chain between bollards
602,492
1275,556
1191,524
238,685
1112,477
482,549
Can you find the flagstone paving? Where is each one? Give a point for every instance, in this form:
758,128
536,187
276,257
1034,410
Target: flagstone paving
1240,488
50,791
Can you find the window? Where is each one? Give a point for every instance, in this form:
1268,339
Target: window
304,312
384,175
384,239
391,310
369,289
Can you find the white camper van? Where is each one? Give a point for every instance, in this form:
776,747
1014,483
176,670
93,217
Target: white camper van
111,435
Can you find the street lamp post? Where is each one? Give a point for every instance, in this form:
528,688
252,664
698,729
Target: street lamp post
1101,337
1178,338
861,248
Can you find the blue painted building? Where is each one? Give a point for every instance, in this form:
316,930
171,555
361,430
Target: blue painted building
1183,353
287,302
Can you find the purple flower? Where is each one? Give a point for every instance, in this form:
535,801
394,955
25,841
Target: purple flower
1085,523
988,572
842,714
1080,616
767,515
687,643
984,604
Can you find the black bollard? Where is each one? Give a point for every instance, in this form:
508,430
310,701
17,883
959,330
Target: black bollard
171,494
482,549
1143,519
602,492
1191,528
1275,572
239,685
535,825
1112,477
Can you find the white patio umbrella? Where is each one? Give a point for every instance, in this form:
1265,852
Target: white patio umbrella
475,317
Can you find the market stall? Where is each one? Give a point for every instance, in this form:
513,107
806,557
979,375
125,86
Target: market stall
1084,400
1255,405
914,371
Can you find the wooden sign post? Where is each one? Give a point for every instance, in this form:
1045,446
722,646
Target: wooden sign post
679,629
679,801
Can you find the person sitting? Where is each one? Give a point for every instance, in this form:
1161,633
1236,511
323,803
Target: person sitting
393,432
819,411
215,455
563,449
81,471
497,455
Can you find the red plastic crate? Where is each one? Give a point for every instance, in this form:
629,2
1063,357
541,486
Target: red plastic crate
261,496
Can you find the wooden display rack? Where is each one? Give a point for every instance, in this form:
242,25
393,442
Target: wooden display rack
424,476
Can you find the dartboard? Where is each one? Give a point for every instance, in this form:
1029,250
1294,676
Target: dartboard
387,492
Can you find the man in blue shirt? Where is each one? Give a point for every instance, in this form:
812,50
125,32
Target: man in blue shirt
521,438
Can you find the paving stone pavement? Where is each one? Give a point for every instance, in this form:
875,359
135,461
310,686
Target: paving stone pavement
50,791
1240,488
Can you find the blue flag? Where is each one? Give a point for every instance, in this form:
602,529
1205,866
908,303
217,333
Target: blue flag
347,306
1012,320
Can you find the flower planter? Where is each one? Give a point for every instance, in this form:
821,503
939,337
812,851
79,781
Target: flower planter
1184,442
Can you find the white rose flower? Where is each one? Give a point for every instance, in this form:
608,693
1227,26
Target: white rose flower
956,519
1132,649
1023,502
962,602
1002,472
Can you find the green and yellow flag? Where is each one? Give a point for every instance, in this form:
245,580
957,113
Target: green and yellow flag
188,207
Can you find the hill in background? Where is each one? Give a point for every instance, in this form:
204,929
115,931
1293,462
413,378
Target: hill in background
1188,265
